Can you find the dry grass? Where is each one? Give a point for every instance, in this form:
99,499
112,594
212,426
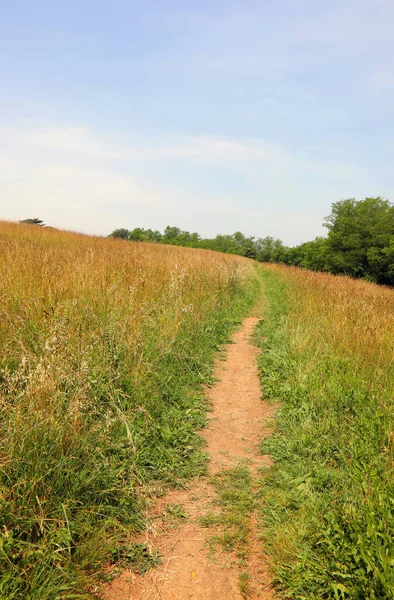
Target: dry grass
328,359
353,316
58,290
105,346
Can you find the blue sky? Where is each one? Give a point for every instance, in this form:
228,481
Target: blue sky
212,116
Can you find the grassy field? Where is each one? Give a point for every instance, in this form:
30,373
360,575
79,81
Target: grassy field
328,502
105,348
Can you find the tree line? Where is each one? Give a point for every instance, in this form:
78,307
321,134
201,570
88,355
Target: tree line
359,243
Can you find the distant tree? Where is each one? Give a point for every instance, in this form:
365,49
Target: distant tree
221,243
239,239
315,254
249,248
245,246
194,239
35,221
171,234
360,242
179,237
137,234
310,255
120,233
152,235
269,249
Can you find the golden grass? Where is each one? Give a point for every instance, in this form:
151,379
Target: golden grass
105,345
59,289
328,361
353,317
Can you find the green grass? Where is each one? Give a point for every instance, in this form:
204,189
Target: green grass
174,513
106,349
231,522
137,557
327,504
89,489
244,584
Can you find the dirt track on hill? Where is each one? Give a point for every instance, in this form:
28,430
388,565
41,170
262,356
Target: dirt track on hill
237,425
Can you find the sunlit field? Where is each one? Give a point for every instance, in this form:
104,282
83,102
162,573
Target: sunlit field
327,516
105,346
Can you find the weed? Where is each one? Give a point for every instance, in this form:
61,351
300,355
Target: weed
231,523
175,512
244,584
137,557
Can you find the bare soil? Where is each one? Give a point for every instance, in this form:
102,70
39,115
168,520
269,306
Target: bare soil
189,570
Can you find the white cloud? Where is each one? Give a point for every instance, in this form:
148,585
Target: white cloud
260,155
72,144
75,179
65,188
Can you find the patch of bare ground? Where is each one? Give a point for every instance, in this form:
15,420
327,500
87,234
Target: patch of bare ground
189,569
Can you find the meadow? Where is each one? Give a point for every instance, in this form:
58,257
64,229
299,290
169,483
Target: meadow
327,504
105,348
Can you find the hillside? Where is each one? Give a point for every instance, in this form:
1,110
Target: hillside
105,348
327,358
106,379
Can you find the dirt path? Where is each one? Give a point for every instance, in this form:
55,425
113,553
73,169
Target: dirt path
237,425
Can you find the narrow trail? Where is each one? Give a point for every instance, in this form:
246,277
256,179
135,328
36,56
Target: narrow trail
189,570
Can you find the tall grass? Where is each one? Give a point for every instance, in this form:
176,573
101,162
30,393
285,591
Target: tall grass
105,346
328,501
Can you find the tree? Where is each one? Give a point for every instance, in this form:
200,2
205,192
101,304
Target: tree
360,238
137,234
34,221
171,234
244,245
123,234
269,249
195,239
310,255
152,235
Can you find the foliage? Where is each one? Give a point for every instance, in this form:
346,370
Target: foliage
360,242
137,557
233,487
310,255
34,221
231,523
361,239
327,502
236,243
105,349
123,234
269,249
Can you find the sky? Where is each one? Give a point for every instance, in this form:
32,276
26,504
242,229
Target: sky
213,116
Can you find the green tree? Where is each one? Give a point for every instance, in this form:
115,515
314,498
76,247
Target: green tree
153,235
137,234
244,245
360,238
310,255
171,234
120,233
220,243
269,249
195,239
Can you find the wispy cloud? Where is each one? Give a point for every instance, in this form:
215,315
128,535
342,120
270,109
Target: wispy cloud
244,155
76,178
